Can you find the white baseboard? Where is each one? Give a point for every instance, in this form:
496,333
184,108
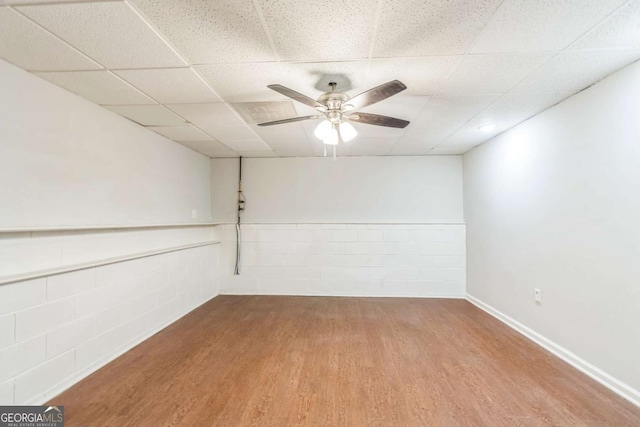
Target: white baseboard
327,294
613,384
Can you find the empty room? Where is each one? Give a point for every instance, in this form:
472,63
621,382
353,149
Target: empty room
319,213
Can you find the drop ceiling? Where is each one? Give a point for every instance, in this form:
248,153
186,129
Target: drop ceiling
196,71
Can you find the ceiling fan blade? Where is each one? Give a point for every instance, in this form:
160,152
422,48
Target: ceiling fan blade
295,95
376,94
378,120
291,120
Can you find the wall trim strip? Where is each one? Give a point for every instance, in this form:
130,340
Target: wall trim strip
74,267
104,227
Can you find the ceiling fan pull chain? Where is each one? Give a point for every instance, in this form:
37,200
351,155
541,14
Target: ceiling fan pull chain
334,153
325,149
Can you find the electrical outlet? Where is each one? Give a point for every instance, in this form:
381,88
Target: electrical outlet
194,213
537,295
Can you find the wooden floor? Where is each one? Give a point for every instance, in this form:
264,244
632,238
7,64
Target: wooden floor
316,361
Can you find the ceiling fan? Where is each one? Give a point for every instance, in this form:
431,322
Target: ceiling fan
337,109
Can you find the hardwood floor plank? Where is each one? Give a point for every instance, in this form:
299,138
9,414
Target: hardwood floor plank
321,361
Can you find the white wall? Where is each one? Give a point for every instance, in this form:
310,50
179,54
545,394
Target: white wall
347,190
555,204
369,226
67,161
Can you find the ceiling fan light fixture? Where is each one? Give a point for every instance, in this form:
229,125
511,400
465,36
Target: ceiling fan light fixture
323,129
347,131
331,138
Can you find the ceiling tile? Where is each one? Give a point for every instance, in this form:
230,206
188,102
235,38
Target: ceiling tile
244,82
344,29
208,115
210,32
101,87
171,85
23,2
288,136
231,133
422,76
524,105
430,27
110,32
471,134
30,47
181,133
620,31
248,145
525,25
148,115
576,70
478,74
444,114
410,150
208,148
261,112
421,142
371,146
452,149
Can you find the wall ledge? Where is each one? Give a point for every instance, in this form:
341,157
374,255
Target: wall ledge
103,227
623,390
83,266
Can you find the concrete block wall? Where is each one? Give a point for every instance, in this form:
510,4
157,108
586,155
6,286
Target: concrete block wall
56,330
404,260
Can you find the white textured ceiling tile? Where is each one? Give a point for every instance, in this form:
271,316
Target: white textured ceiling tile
422,76
424,141
430,27
208,148
548,25
210,32
621,31
181,133
148,115
313,78
171,85
444,114
249,145
244,82
524,105
110,32
208,114
451,149
231,133
100,87
410,150
371,146
30,47
343,29
484,74
576,70
289,136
